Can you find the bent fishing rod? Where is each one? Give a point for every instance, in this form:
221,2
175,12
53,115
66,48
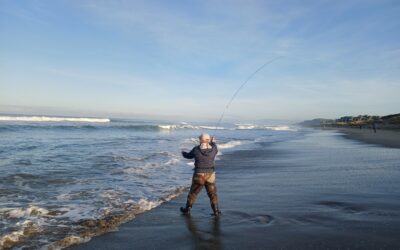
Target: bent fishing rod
241,86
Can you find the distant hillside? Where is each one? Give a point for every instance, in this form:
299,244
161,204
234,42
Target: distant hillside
356,121
315,122
392,119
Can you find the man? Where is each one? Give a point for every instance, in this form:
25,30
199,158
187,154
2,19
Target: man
204,173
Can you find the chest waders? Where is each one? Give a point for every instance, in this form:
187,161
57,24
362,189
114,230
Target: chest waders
200,180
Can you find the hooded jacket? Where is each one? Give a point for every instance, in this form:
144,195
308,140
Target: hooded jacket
203,158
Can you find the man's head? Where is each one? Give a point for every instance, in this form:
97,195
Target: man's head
204,138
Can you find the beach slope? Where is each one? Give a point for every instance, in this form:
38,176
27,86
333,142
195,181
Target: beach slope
302,194
384,137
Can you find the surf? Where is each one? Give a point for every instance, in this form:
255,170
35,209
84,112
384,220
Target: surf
53,119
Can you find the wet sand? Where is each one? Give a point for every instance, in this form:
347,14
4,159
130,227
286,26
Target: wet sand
384,137
280,196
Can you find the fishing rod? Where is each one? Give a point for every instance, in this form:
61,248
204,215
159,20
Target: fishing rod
241,86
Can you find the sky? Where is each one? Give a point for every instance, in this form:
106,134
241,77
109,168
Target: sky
185,59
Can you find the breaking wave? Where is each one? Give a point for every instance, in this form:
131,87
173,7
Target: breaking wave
52,119
12,123
268,127
38,221
230,144
188,126
101,175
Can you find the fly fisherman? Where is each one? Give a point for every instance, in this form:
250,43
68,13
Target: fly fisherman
204,173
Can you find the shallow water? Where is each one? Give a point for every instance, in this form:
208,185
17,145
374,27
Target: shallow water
71,179
321,190
314,191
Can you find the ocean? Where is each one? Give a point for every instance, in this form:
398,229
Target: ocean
66,177
312,189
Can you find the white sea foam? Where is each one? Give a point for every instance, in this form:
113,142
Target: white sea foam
280,128
64,197
53,119
167,127
230,144
172,161
78,212
26,229
134,171
145,205
246,126
23,212
188,126
142,171
139,206
191,141
145,168
211,127
67,241
174,126
10,239
269,127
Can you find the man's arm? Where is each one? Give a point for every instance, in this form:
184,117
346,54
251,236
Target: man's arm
189,155
214,145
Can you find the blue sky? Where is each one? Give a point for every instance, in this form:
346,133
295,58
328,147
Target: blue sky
185,59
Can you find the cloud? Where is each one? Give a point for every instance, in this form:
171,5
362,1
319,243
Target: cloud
158,55
217,31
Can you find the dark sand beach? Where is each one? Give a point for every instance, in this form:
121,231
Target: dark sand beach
319,192
384,137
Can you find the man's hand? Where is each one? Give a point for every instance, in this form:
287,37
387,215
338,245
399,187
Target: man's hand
212,140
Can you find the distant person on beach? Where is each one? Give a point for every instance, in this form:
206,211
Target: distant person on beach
374,127
204,173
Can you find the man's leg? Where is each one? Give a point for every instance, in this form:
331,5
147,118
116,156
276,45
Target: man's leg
212,193
197,186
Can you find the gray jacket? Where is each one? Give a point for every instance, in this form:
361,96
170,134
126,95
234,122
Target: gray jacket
203,158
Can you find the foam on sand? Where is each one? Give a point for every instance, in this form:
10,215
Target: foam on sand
27,229
67,242
37,221
109,222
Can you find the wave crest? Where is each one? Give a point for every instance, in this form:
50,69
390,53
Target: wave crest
230,144
268,127
52,119
187,126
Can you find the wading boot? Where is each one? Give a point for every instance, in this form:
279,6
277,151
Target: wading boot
186,210
215,209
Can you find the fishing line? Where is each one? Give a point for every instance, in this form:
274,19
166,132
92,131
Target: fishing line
241,86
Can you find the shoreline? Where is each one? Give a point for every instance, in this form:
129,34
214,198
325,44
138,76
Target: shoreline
384,137
273,198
